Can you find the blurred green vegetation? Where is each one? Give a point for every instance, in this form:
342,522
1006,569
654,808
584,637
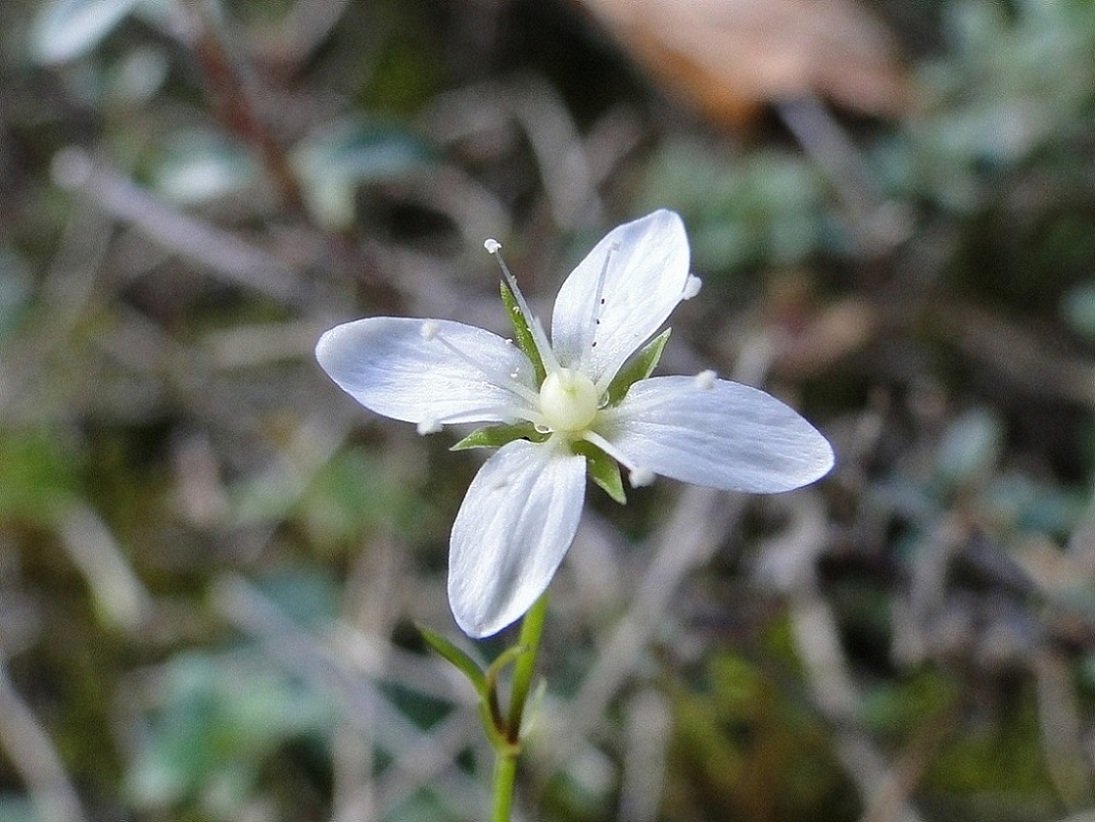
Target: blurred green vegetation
211,562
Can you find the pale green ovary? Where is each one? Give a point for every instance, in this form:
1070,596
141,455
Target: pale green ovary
568,401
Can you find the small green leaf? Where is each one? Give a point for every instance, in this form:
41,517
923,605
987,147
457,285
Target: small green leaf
521,333
200,166
637,368
533,708
603,470
40,476
335,161
460,660
496,436
66,29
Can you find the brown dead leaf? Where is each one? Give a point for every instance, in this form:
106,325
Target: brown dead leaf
835,332
733,56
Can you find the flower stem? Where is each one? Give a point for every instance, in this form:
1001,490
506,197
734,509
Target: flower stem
531,628
505,773
505,755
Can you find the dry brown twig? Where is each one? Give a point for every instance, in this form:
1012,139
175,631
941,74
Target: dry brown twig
788,562
421,759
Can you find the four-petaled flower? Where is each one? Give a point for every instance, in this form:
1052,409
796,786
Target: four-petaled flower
561,408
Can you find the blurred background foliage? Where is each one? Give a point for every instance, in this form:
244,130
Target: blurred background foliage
211,561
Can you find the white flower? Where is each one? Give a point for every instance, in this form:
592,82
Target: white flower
558,408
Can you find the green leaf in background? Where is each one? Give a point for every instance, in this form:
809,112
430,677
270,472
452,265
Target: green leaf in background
38,475
217,718
66,29
346,497
970,448
306,595
14,808
334,161
765,207
200,165
1078,309
423,804
15,290
137,77
349,496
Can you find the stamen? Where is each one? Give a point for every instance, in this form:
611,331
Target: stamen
507,414
598,307
692,287
428,425
638,475
431,330
705,379
539,337
608,448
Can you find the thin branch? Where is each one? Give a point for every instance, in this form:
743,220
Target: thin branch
232,258
790,562
420,759
649,721
234,97
35,758
119,595
1062,727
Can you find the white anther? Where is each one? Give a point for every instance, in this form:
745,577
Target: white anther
640,476
428,425
491,245
430,329
705,379
692,287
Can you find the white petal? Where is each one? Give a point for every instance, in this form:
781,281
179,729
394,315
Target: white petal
511,533
727,435
644,280
405,369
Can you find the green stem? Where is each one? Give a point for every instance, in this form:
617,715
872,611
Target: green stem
505,756
531,629
505,773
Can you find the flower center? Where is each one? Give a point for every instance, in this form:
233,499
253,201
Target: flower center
568,400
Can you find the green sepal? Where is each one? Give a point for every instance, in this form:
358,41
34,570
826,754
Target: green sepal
533,709
459,660
602,469
522,334
495,436
637,368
